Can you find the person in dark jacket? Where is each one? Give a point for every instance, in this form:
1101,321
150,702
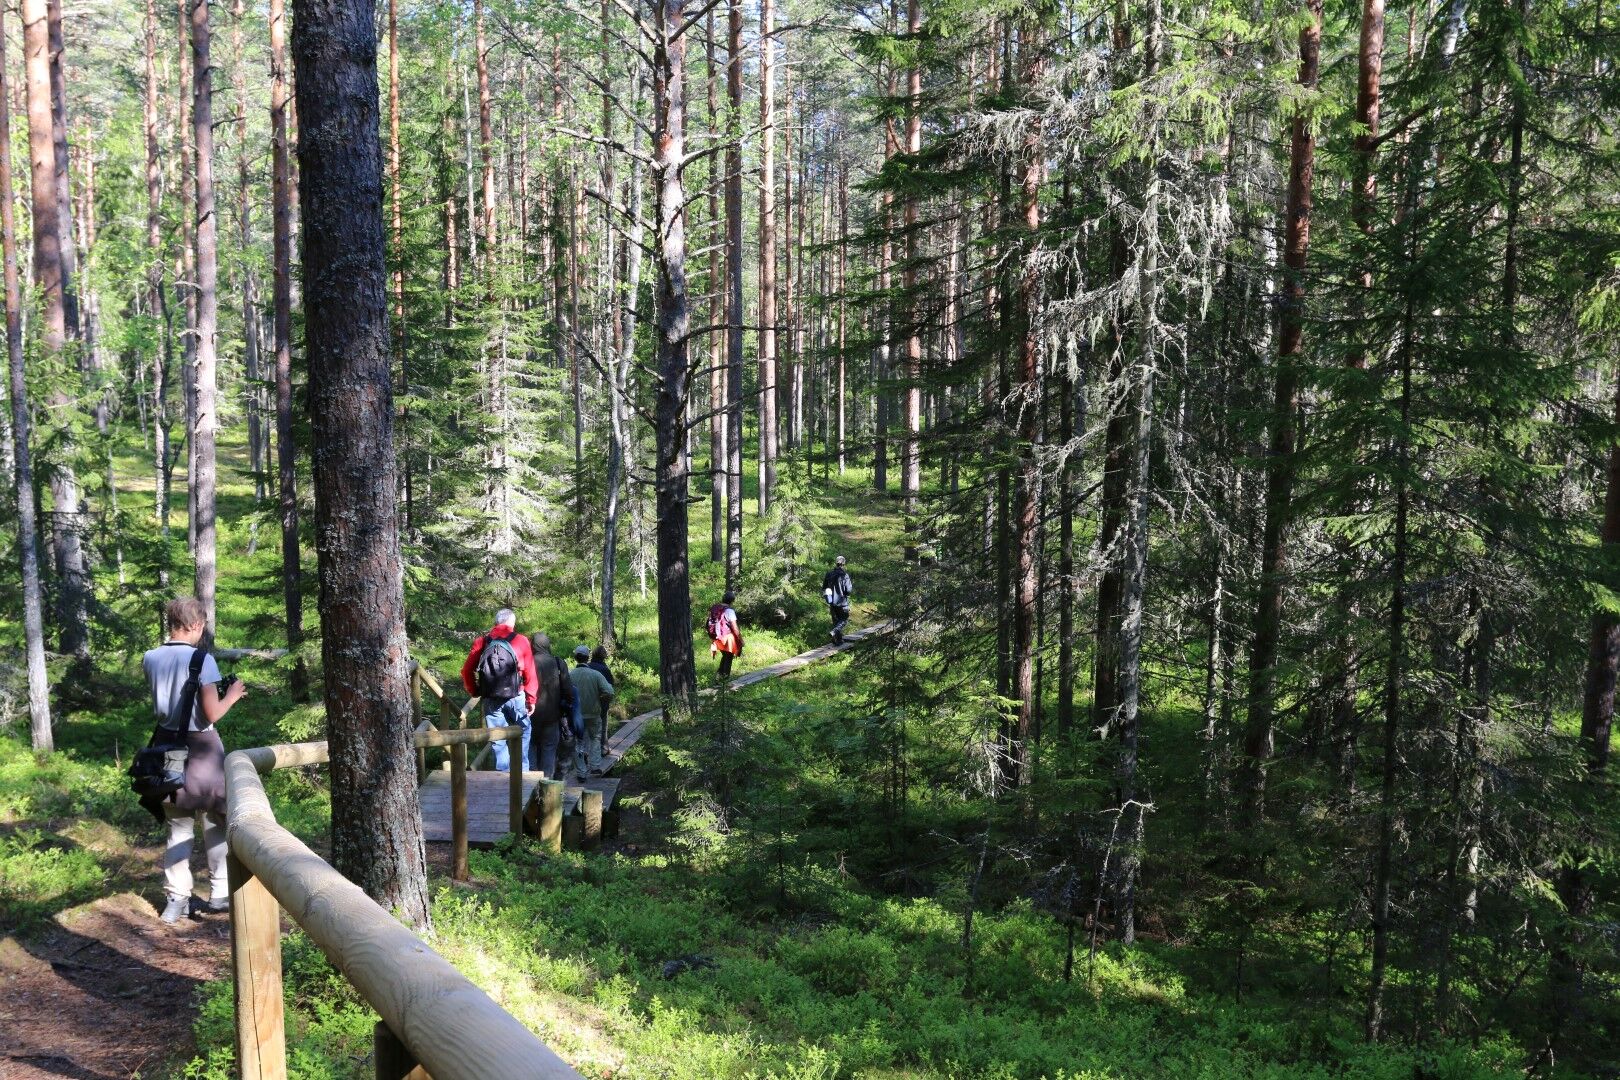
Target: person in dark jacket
599,662
168,669
836,588
555,705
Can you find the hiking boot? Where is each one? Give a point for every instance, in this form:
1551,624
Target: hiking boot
177,908
218,906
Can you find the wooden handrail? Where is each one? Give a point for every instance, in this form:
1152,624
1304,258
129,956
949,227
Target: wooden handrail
445,1022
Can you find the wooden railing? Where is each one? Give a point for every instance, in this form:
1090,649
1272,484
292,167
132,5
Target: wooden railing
435,1023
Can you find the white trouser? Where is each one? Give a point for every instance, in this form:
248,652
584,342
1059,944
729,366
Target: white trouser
177,856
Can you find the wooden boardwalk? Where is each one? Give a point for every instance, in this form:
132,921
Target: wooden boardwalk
488,792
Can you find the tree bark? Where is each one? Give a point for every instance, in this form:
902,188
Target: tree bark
1258,734
734,294
258,460
716,286
292,574
64,197
52,284
676,676
911,451
39,702
1026,510
376,819
206,420
769,427
157,302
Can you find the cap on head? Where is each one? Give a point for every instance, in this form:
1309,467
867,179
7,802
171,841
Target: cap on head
729,598
582,652
506,617
839,561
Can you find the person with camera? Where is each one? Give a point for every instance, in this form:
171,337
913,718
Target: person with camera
177,671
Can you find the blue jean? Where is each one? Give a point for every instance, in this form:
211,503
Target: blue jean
510,713
545,750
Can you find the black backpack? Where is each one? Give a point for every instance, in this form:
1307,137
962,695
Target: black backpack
159,769
497,676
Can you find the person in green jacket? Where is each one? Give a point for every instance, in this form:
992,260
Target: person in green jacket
595,696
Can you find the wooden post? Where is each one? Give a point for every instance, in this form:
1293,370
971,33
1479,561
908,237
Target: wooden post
416,721
261,1038
394,1060
514,802
590,807
551,803
458,812
573,837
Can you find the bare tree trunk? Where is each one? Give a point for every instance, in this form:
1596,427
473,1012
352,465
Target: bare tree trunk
376,820
1258,735
292,574
64,197
911,451
843,289
397,236
717,371
187,283
39,701
258,460
207,259
734,294
157,302
1026,508
52,284
769,423
677,674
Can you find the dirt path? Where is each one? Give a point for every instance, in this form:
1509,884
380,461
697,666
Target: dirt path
105,991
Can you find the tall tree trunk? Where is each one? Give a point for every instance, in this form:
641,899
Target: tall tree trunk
1258,735
258,460
33,604
843,291
52,285
1394,677
769,424
157,301
397,251
911,451
1363,195
734,294
1026,510
186,283
677,676
376,819
716,287
292,574
207,236
64,197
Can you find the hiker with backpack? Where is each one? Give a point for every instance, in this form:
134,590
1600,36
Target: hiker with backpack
836,588
190,695
725,637
555,717
500,670
595,695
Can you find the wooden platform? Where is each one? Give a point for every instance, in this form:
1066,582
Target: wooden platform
487,807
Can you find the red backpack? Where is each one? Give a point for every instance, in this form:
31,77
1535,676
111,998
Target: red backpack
716,626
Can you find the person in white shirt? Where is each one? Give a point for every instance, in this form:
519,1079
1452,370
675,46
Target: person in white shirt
168,668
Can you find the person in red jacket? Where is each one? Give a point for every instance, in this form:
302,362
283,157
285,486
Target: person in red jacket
500,670
725,636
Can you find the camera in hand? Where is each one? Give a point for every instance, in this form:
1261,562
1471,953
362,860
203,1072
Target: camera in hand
226,682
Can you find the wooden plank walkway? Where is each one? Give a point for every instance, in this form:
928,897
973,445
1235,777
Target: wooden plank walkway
630,731
487,792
